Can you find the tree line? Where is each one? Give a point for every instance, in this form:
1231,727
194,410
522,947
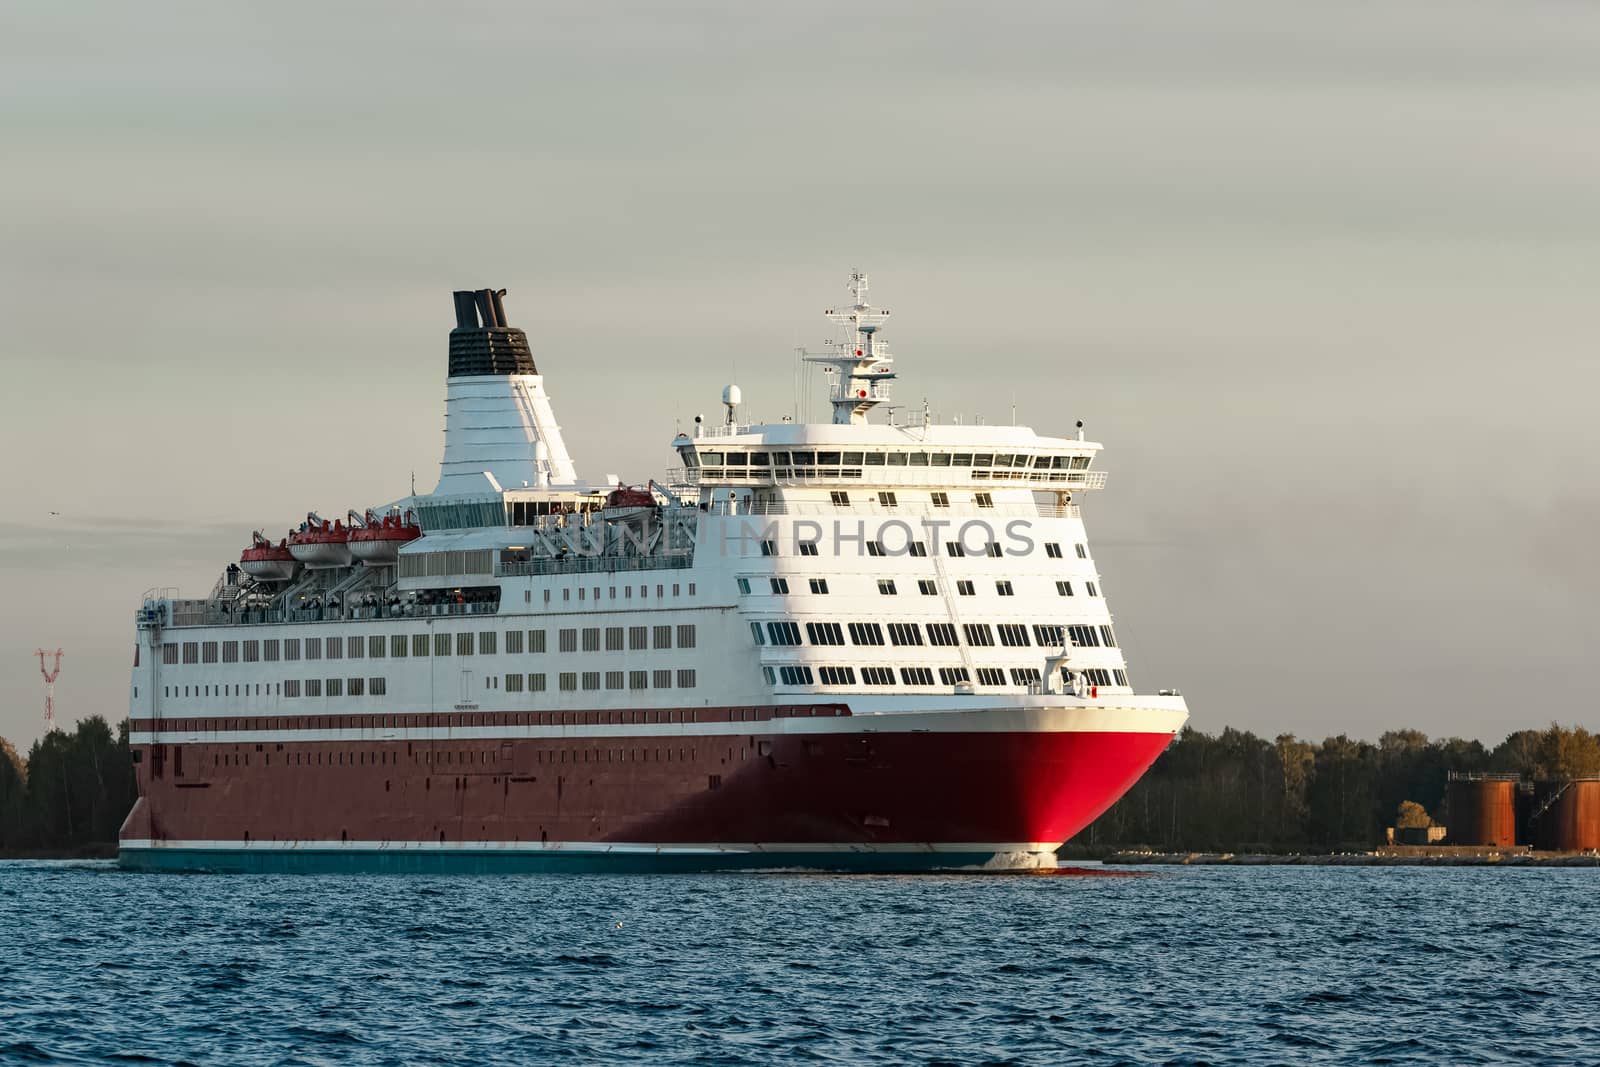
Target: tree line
1236,792
70,794
1231,791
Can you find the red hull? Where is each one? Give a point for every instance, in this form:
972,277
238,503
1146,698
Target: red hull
853,787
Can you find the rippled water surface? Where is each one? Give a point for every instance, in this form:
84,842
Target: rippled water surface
1184,965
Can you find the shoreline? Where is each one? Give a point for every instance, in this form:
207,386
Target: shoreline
1399,856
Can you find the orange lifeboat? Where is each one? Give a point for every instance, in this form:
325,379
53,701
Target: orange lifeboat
267,562
378,542
319,544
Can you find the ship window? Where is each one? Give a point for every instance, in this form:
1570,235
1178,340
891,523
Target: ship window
897,459
191,652
335,687
1083,551
819,585
638,637
661,679
335,647
837,675
766,672
569,640
291,688
419,645
1120,676
661,636
169,653
875,548
252,651
686,678
983,500
888,500
513,642
1089,587
1049,635
865,633
874,459
488,642
992,550
613,679
940,459
825,633
905,633
313,687
1064,588
804,459
1003,588
313,648
758,459
291,648
840,498
613,639
827,459
1013,635
758,634
357,647
535,641
441,644
964,587
877,675
744,586
1024,675
886,587
1052,550
991,676
230,652
536,683
768,548
916,676
569,681
952,675
686,635
1084,636
919,459
711,459
954,548
927,587
784,633
1106,638
979,634
355,686
795,675
806,548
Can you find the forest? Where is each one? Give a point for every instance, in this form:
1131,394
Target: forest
1236,792
1232,791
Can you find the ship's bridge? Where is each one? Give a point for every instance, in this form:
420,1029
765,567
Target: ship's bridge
799,454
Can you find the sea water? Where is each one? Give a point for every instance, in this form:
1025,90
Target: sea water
1179,965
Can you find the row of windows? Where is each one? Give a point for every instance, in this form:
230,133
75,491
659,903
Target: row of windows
292,687
919,549
397,646
627,592
811,458
919,676
925,586
572,681
978,634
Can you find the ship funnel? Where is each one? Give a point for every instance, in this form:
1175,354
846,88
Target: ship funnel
498,419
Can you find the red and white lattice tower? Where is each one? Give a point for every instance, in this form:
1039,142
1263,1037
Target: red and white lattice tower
51,673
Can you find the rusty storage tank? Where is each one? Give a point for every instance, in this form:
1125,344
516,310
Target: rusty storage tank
1567,815
1482,809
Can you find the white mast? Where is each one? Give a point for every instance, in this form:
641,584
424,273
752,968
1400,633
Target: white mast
860,364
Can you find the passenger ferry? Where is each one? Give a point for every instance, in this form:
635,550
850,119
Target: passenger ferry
864,644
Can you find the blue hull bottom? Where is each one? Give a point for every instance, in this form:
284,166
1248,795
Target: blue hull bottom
548,861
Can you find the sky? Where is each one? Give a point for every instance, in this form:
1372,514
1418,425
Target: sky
1320,276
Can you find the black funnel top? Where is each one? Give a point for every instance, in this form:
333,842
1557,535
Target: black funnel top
482,343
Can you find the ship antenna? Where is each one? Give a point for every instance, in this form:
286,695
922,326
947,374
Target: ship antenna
861,366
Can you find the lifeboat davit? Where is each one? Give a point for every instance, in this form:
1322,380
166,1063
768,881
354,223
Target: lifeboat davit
379,542
267,562
320,544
